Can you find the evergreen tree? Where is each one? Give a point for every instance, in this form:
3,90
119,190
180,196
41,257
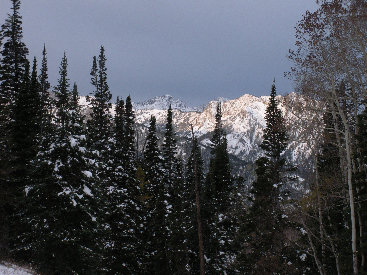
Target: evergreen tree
14,52
99,124
192,207
263,243
217,224
155,218
13,72
99,142
63,96
173,180
45,100
129,143
60,216
13,64
124,220
133,206
40,167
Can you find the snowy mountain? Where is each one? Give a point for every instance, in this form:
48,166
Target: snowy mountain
243,119
162,103
11,269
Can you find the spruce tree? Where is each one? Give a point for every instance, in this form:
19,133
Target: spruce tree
40,168
99,142
13,64
99,124
263,244
12,75
155,218
173,180
123,255
14,54
45,100
129,140
217,204
60,214
192,202
133,206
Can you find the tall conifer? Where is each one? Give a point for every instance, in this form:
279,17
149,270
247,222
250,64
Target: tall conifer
61,218
174,183
45,99
12,69
123,255
193,218
156,218
99,141
217,189
263,243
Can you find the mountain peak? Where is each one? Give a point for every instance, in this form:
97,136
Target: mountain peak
162,103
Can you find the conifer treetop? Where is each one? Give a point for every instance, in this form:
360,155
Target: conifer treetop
14,52
275,136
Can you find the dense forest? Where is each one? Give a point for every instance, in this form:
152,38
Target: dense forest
77,196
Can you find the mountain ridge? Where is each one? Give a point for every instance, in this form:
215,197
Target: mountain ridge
243,120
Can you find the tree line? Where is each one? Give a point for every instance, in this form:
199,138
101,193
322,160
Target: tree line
77,198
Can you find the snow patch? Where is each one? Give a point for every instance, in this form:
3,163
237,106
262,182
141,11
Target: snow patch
11,269
87,191
88,174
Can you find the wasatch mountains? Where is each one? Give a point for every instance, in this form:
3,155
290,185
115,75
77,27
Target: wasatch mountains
243,120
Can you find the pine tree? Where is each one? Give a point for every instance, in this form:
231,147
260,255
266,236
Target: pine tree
99,143
129,140
173,180
133,205
24,143
192,198
60,214
155,218
45,100
263,242
12,69
14,54
99,123
12,75
217,225
40,166
123,255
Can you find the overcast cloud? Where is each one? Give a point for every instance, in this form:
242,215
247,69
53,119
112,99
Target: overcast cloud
195,50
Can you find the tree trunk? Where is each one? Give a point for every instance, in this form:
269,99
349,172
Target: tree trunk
347,138
317,260
198,215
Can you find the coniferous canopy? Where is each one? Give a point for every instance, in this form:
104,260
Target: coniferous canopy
156,222
263,245
216,194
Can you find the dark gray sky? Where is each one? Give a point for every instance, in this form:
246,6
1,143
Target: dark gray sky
195,50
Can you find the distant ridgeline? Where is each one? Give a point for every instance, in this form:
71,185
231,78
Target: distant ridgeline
243,120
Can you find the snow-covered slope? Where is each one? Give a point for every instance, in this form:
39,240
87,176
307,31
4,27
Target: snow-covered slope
243,119
11,269
162,103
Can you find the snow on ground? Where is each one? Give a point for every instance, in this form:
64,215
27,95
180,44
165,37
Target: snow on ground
10,269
